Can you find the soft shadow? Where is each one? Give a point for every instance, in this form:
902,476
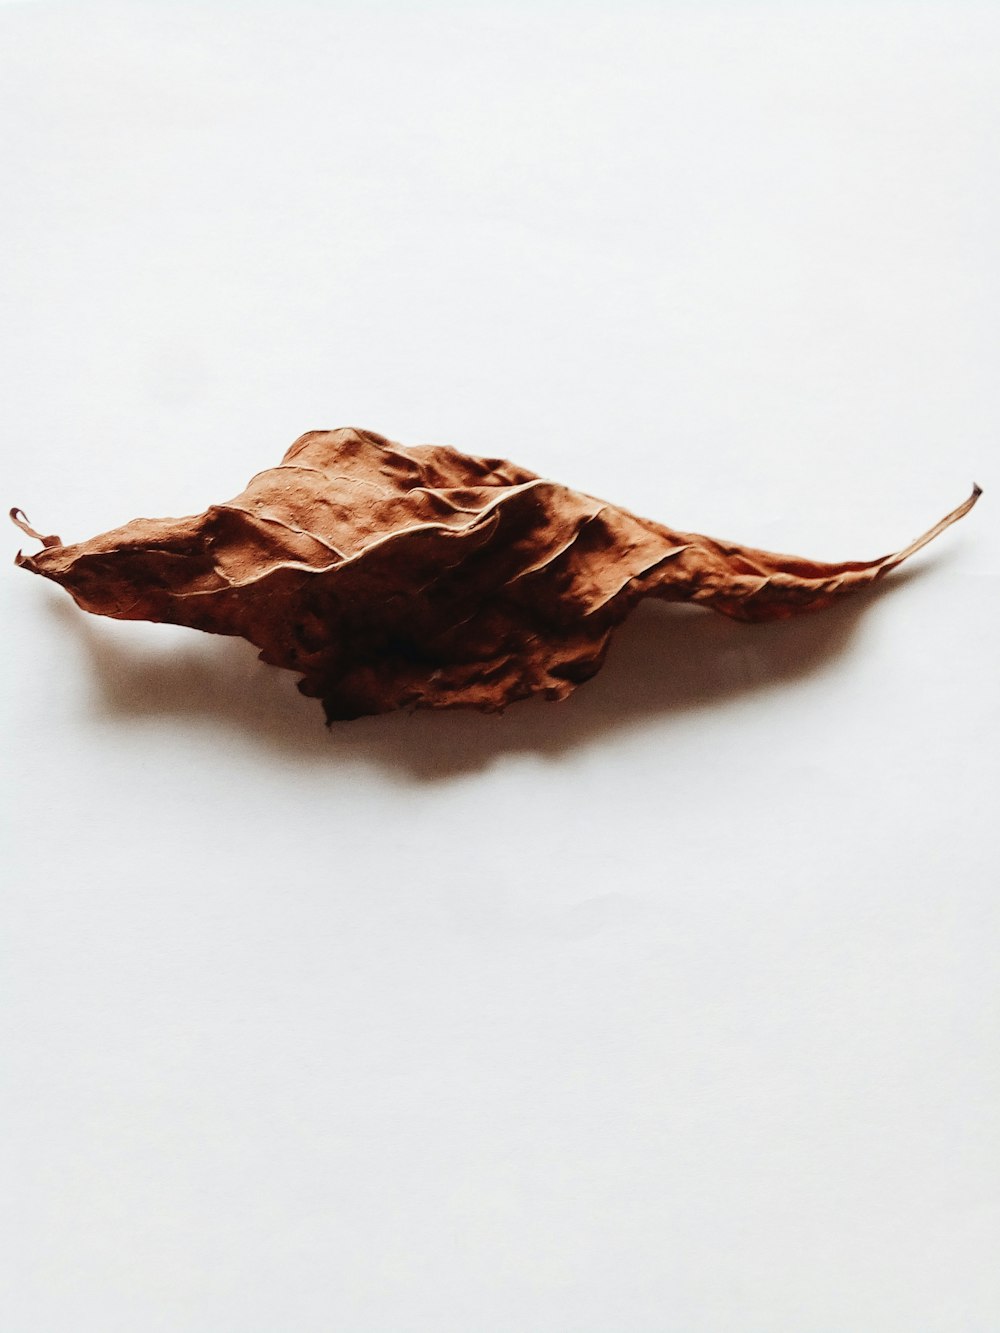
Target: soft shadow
664,660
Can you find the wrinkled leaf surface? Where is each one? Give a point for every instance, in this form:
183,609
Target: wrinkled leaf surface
391,577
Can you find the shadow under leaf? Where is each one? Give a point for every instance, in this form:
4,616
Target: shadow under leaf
666,659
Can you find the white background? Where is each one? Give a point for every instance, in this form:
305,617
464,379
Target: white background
671,1009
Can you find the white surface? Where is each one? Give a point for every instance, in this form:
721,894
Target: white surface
669,1010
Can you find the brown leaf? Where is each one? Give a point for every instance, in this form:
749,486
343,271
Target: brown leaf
392,577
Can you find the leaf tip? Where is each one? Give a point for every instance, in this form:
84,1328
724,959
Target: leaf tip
20,520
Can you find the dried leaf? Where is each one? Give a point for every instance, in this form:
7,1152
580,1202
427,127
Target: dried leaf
392,577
